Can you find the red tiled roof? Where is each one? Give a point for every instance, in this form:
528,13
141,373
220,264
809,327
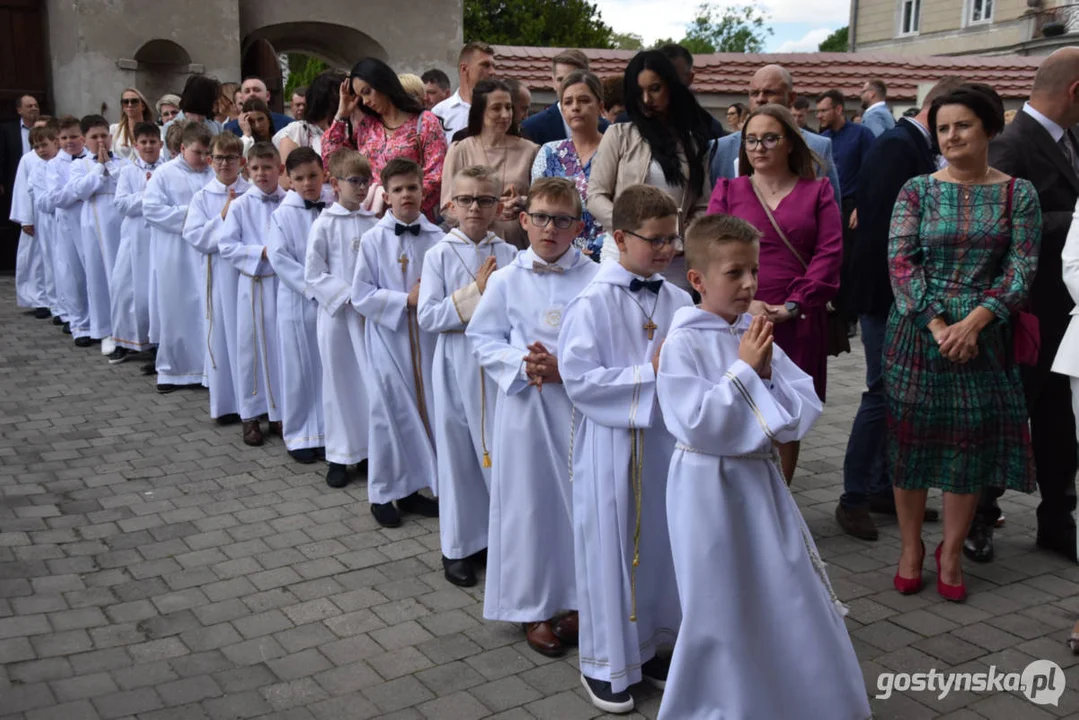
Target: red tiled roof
729,73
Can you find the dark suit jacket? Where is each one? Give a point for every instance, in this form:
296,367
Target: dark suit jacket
546,126
279,121
897,156
10,154
1026,150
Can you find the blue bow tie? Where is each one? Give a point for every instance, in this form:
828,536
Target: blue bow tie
399,229
636,284
308,204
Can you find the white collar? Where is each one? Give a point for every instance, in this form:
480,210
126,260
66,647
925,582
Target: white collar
1056,131
614,273
921,128
277,194
457,237
388,221
875,105
339,210
568,260
219,188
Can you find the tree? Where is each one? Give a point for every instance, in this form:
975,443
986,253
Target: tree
540,23
627,41
302,69
838,41
735,30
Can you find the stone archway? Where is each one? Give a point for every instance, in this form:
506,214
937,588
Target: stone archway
163,67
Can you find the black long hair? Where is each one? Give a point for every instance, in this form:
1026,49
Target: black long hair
382,78
322,96
479,108
199,95
686,121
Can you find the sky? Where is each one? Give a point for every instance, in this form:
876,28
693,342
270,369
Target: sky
799,25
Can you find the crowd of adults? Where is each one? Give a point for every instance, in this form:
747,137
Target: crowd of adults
932,233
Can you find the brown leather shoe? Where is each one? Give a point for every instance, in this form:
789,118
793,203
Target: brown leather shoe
855,521
275,428
541,638
566,628
252,433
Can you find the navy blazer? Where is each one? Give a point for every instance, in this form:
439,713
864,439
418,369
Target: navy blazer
547,126
279,121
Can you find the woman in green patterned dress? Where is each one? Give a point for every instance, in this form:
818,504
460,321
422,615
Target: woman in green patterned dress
962,253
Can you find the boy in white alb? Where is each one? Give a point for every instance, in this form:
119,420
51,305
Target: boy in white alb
332,249
93,181
205,220
455,274
68,272
385,290
514,334
47,145
609,352
176,269
130,288
750,581
297,310
31,260
242,243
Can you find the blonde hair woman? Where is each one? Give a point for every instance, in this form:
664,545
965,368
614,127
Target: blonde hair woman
133,109
413,85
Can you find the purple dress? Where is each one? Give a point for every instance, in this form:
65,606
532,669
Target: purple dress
810,218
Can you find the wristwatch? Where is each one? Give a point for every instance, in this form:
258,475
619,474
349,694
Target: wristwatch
793,308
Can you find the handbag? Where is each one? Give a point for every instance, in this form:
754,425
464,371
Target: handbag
1026,330
835,333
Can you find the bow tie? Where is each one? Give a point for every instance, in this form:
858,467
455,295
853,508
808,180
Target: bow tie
268,198
318,204
400,229
636,284
538,267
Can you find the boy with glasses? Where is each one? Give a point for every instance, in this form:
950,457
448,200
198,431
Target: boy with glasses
455,275
514,334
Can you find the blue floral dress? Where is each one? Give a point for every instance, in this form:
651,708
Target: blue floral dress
559,159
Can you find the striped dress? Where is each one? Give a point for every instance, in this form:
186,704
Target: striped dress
952,248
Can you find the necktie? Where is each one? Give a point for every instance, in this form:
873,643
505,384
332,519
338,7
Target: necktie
538,267
651,285
318,204
400,229
1067,144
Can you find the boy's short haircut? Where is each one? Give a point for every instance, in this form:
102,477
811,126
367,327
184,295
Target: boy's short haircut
174,138
302,156
89,122
196,133
711,231
227,143
398,167
483,174
147,128
50,122
68,121
263,150
557,189
346,163
639,203
42,134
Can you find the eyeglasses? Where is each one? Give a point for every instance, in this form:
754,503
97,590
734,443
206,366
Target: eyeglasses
130,101
225,159
768,141
169,114
484,201
674,241
356,181
560,221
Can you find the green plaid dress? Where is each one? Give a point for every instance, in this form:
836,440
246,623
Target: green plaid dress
959,428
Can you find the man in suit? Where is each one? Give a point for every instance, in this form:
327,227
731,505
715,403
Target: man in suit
255,87
1040,146
876,116
550,125
15,140
772,84
900,154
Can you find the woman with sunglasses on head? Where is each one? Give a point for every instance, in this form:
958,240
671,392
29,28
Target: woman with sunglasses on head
801,245
665,144
493,140
377,117
134,110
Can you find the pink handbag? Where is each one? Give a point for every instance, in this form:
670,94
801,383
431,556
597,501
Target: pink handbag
1026,330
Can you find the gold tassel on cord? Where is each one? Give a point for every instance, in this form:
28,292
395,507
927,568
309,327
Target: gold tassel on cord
483,421
636,473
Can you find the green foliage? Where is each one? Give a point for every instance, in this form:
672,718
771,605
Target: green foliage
838,41
302,69
627,41
734,29
538,23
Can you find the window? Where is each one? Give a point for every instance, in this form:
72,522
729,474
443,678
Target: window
979,11
910,13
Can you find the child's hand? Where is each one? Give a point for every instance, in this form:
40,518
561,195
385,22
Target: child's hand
655,358
148,176
414,295
28,229
102,154
755,349
488,267
232,196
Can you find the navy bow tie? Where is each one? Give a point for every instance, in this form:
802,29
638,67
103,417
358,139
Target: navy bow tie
400,229
318,204
636,284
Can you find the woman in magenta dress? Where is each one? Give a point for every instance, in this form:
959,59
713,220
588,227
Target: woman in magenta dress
777,169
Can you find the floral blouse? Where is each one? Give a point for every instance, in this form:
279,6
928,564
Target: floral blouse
560,159
422,140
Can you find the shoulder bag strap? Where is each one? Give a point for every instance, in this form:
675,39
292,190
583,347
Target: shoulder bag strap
775,225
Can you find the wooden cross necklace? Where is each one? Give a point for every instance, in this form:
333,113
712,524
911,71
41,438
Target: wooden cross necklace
649,326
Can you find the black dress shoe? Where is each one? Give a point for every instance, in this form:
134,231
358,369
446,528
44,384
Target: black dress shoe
856,522
67,328
885,505
459,572
304,456
230,419
418,505
979,543
148,368
165,389
655,671
83,342
386,515
57,320
361,467
320,453
479,559
337,476
42,313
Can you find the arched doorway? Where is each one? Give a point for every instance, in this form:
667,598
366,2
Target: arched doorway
260,58
163,67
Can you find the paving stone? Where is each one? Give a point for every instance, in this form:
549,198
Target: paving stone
189,690
130,702
398,694
292,694
237,707
79,710
84,686
505,693
144,674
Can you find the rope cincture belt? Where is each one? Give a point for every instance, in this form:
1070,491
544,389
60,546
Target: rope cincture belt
414,336
210,308
257,286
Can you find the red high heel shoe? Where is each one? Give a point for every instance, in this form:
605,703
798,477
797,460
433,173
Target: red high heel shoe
954,593
910,586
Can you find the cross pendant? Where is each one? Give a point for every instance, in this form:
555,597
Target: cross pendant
650,327
403,260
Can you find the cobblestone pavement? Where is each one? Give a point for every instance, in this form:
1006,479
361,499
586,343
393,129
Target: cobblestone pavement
154,567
